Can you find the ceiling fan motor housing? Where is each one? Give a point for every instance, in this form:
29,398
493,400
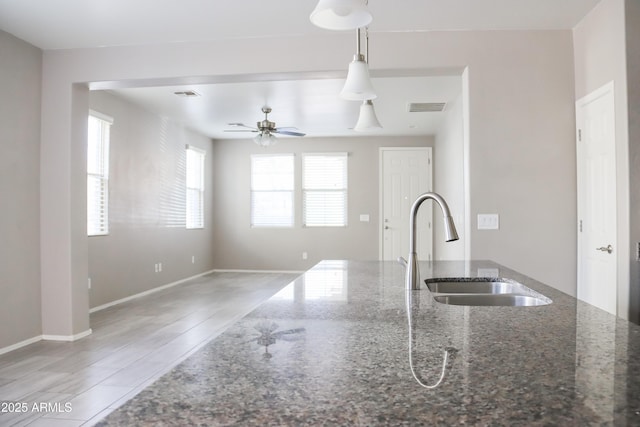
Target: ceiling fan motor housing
266,125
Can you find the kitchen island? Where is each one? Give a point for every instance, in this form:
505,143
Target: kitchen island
334,347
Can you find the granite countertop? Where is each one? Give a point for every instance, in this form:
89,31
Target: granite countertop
332,348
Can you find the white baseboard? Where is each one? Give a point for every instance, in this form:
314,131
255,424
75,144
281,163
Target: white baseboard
67,338
20,344
147,292
258,271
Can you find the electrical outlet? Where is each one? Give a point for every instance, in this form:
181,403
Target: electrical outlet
304,255
159,267
89,283
193,259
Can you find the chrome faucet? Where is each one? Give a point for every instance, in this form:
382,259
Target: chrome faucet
412,278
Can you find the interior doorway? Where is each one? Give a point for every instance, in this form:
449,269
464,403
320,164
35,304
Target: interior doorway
597,204
405,173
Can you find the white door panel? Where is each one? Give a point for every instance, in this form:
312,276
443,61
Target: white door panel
597,264
405,174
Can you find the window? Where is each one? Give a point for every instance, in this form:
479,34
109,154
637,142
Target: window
272,190
195,187
324,189
98,174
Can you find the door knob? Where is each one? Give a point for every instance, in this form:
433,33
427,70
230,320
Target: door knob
608,249
386,227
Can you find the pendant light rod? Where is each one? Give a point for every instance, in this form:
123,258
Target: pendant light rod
366,44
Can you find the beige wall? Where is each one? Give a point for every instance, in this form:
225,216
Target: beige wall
521,135
448,173
521,152
147,205
600,57
241,247
20,86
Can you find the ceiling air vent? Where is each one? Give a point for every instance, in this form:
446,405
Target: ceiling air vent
426,107
187,93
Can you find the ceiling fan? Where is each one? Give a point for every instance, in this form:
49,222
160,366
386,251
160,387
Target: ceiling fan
265,129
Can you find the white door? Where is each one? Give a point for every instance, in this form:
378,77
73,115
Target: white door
596,163
405,173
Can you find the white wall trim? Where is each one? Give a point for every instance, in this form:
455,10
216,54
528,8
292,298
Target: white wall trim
20,344
258,271
67,338
147,292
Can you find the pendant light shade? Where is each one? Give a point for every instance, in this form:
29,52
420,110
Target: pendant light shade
265,139
358,86
367,119
341,14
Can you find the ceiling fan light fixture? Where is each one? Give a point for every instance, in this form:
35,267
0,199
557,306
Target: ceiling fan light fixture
265,139
367,120
358,85
341,14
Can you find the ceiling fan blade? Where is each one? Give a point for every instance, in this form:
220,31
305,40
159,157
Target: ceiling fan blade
241,130
242,125
287,132
286,128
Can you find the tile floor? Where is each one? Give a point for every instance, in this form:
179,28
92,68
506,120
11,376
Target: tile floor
132,345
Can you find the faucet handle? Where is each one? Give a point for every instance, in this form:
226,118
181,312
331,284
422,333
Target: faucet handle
402,261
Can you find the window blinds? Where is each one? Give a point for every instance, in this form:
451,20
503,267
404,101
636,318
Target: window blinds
195,187
98,136
324,188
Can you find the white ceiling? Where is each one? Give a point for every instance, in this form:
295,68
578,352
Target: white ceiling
64,24
311,105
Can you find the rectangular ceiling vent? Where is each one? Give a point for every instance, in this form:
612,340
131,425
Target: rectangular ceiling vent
426,107
187,93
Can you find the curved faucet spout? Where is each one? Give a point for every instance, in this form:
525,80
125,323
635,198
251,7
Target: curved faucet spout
412,280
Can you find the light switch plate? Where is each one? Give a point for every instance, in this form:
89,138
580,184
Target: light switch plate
364,217
488,221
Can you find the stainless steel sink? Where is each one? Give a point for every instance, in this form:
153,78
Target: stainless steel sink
492,300
475,287
484,291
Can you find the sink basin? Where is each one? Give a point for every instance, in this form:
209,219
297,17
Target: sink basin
484,291
512,300
474,287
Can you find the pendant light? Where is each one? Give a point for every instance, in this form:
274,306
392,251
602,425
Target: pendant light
265,139
358,86
341,14
367,120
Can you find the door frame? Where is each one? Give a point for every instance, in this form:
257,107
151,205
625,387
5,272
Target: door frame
429,172
605,90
